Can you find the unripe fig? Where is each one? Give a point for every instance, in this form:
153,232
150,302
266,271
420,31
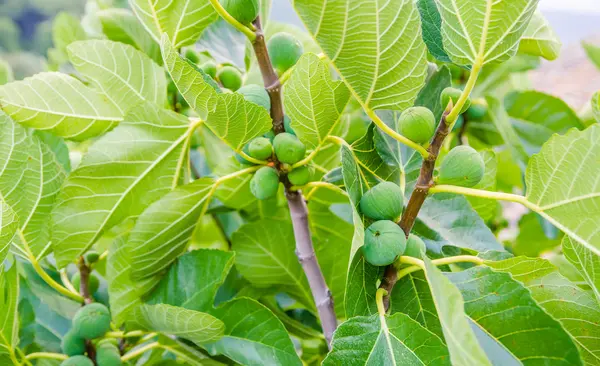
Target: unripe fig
285,50
192,56
92,321
72,344
260,148
230,77
382,202
477,111
453,94
288,148
92,257
240,158
300,176
107,354
210,69
384,243
287,125
257,95
417,123
93,282
77,361
270,135
463,166
244,11
415,247
265,183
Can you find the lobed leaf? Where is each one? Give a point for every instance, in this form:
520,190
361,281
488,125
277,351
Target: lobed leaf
9,224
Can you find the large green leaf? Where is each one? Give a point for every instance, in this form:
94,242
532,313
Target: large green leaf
313,101
6,73
501,121
486,208
30,178
123,74
361,287
66,29
483,31
586,262
122,174
376,46
193,325
182,20
539,39
253,335
266,257
162,232
385,340
9,318
511,318
532,240
596,106
432,29
563,184
60,104
120,25
9,224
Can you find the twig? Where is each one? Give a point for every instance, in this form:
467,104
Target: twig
84,288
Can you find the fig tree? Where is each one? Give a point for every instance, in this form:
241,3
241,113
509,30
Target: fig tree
463,166
230,77
77,361
210,69
93,282
244,11
285,50
383,202
257,95
265,183
92,321
453,94
72,344
384,243
417,123
287,125
260,148
107,354
288,148
415,247
300,176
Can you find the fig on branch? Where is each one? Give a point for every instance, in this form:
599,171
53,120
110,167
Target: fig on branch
230,77
285,50
265,183
192,56
384,243
77,361
260,148
477,111
454,95
107,354
244,11
257,95
417,124
288,148
463,166
300,176
383,202
72,344
93,282
210,69
415,247
92,257
92,321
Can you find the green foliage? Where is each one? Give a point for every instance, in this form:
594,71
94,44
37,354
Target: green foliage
288,148
243,11
463,166
265,183
418,124
285,50
91,321
384,243
230,77
383,202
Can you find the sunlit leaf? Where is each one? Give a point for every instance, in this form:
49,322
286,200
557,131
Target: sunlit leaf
585,261
9,318
66,29
9,224
539,39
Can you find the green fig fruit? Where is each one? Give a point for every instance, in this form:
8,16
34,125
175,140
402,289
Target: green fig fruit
260,148
285,50
477,111
300,176
244,11
77,361
107,354
453,94
92,321
230,78
210,69
240,158
257,95
383,202
72,344
192,56
91,257
417,124
463,166
265,183
288,148
384,243
270,135
93,282
415,247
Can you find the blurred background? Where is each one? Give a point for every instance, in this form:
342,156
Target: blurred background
25,37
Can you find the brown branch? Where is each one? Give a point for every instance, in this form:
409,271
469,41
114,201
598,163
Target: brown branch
84,272
298,210
417,198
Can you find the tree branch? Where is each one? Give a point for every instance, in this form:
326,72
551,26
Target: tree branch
417,198
84,289
298,210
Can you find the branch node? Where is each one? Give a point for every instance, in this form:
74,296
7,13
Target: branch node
305,257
